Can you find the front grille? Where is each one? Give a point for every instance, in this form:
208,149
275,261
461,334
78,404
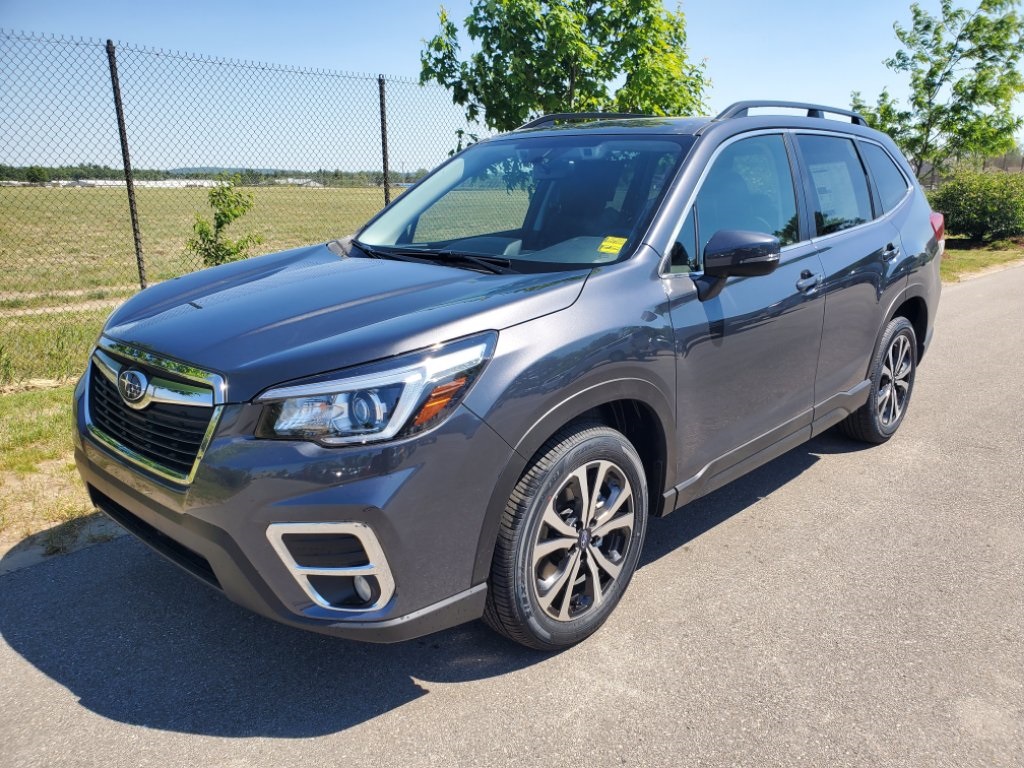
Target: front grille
168,435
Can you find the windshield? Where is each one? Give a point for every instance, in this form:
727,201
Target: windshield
535,202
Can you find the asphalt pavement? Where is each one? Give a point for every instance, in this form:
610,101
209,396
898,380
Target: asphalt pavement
841,606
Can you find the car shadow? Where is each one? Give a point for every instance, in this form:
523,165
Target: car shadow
140,642
665,535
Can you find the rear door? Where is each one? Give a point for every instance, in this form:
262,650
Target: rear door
863,260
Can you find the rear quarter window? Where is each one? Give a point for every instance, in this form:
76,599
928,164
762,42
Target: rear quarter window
891,183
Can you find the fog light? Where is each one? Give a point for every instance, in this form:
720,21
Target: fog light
363,588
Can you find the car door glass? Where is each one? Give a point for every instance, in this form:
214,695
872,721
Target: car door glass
892,185
749,187
684,250
841,199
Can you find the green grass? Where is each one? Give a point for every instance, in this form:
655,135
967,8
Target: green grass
54,239
964,257
39,485
35,426
47,346
67,257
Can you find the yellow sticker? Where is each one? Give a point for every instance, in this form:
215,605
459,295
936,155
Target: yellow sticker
611,244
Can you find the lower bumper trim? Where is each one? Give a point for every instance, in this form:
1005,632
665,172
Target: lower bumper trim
457,609
174,551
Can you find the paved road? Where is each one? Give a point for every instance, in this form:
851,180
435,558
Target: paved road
840,606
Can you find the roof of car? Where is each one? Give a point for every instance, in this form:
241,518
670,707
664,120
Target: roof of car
682,125
736,115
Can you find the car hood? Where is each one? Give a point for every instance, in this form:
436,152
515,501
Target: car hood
298,313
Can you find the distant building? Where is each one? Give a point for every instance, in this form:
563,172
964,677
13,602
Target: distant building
161,184
293,182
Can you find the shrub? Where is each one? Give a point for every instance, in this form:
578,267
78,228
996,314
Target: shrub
35,174
983,206
210,243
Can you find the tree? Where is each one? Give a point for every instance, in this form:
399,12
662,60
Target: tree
963,81
36,174
229,204
545,56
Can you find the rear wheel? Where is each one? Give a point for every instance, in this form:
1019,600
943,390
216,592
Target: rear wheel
570,539
892,382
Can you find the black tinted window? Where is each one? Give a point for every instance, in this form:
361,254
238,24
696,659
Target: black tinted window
841,198
749,187
892,186
561,200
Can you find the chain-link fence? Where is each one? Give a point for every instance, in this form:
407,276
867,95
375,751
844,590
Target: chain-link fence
94,135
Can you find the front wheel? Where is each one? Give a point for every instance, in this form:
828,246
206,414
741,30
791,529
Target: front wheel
569,540
892,381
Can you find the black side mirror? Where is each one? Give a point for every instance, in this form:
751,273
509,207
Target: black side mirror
736,252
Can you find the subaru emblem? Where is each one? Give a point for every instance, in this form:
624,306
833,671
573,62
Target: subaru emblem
132,385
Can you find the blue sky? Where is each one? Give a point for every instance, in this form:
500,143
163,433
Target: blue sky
811,50
801,50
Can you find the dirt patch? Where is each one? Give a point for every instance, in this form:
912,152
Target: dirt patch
40,502
32,384
60,539
81,306
71,292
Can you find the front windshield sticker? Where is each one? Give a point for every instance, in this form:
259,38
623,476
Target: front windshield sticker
612,245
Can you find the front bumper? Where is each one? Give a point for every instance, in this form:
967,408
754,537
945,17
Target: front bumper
423,500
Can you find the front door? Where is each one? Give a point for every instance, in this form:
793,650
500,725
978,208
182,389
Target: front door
746,359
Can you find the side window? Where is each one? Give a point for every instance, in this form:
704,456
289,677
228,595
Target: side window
749,187
841,198
684,250
892,185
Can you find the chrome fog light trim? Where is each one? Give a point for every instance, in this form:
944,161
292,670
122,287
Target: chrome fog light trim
376,567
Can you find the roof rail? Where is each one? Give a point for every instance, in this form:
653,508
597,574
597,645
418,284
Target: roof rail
741,108
575,116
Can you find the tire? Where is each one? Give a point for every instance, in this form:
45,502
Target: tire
893,369
565,554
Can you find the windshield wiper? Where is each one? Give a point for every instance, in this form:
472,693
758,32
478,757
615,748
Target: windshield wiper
380,253
494,264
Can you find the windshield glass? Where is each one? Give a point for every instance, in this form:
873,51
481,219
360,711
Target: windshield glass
535,201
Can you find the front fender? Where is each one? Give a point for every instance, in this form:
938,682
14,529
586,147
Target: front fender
533,438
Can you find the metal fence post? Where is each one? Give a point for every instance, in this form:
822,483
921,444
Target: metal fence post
128,178
384,140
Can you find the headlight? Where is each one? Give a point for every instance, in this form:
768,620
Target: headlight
413,393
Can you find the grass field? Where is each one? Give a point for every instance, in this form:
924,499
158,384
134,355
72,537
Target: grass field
964,257
39,486
56,239
67,257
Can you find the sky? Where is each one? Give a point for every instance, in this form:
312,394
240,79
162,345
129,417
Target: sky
800,50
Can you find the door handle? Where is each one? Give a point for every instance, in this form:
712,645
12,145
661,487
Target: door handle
808,281
891,252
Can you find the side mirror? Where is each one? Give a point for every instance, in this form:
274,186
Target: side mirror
736,252
745,254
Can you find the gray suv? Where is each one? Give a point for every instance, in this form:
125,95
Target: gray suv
474,405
